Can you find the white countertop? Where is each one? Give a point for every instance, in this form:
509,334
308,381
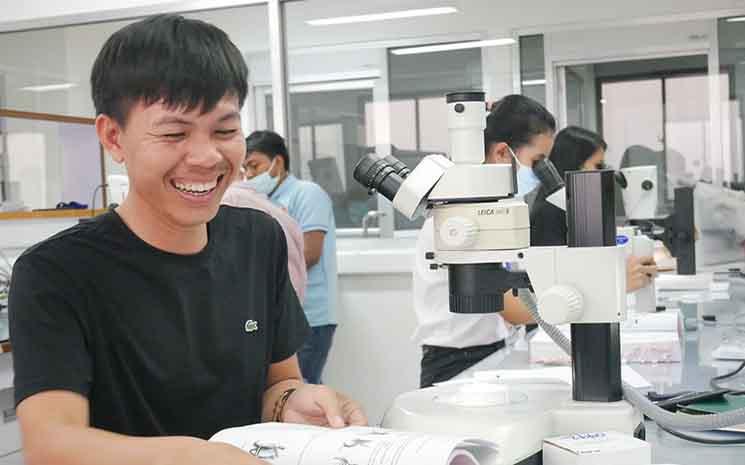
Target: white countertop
375,255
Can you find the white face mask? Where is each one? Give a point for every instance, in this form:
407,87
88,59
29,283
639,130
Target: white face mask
264,183
527,181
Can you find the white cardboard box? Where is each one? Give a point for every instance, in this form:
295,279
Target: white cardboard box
606,448
637,346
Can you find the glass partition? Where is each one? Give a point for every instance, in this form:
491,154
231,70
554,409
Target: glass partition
533,67
372,87
48,161
732,65
47,71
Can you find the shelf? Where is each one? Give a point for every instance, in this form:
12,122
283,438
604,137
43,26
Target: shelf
45,214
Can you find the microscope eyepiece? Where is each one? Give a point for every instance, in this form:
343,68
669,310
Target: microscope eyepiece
398,166
465,96
621,180
384,175
549,176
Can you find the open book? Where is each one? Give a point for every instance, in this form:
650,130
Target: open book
290,444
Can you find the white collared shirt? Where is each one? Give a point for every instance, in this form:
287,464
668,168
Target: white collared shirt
436,325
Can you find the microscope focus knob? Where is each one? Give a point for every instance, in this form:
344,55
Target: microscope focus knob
459,232
560,304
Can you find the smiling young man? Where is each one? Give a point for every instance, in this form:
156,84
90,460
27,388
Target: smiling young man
143,332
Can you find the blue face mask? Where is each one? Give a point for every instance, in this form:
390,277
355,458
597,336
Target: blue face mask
527,181
263,183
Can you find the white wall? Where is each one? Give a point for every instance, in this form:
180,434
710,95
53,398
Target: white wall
619,43
612,44
33,58
373,358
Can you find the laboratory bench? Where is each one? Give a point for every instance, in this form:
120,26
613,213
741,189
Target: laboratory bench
707,324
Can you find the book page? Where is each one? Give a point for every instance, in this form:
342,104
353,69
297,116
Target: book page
288,444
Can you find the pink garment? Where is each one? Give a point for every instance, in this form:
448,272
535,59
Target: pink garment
239,195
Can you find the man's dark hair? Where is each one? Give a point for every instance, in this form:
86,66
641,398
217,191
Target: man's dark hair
186,63
269,143
573,146
515,120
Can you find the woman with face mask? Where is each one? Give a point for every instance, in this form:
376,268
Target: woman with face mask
520,131
577,149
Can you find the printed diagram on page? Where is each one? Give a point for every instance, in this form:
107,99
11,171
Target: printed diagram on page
290,444
356,442
266,450
341,461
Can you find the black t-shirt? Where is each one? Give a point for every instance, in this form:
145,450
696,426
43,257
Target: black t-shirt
548,223
159,343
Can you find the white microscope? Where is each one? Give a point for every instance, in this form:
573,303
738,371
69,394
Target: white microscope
479,225
640,188
720,218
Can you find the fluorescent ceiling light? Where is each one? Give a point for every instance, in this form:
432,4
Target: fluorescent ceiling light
49,87
453,46
534,82
383,16
739,19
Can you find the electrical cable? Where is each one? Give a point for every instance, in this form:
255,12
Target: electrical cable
663,418
703,439
93,199
715,380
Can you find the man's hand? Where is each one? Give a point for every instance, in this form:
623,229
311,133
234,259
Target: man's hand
322,406
640,271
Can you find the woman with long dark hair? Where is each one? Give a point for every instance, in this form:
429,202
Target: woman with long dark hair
577,149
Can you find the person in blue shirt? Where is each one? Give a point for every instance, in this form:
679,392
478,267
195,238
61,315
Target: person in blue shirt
267,168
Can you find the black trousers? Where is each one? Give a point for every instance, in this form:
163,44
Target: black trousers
444,363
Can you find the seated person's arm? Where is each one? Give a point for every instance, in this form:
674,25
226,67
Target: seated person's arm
282,376
313,247
288,399
515,311
315,214
55,427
